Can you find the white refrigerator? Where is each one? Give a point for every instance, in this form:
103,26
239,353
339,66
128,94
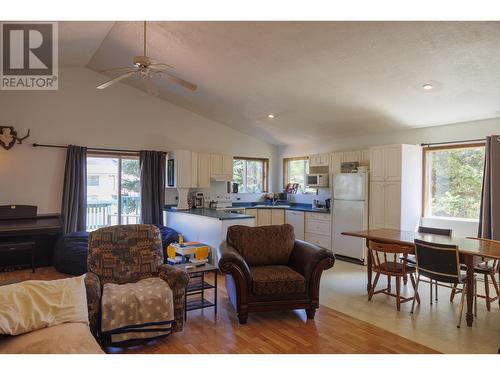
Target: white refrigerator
350,213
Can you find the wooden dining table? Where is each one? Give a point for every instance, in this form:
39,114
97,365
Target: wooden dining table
468,249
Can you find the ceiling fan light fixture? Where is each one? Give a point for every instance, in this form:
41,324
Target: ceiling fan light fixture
270,116
427,86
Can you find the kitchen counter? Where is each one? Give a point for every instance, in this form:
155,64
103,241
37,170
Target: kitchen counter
291,206
212,213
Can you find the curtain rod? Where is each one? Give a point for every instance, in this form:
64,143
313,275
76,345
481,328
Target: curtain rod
88,148
453,142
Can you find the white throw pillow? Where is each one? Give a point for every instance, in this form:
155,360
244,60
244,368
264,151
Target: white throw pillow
32,305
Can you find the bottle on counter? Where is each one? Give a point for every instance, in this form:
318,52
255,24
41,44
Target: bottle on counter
181,238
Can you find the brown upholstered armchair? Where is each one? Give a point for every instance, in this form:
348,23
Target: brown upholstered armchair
267,269
123,254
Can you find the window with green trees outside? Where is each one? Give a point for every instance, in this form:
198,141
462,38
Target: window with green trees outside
454,177
251,174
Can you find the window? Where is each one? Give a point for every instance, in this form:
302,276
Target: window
92,180
453,180
251,174
295,171
113,190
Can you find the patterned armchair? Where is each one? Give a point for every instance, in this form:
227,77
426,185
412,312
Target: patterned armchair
267,269
123,254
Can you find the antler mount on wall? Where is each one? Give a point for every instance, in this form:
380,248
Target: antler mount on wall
8,137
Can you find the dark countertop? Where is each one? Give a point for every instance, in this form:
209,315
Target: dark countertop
210,212
304,207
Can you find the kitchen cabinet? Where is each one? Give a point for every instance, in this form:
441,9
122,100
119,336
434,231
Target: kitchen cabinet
253,212
336,159
296,220
352,156
395,187
267,216
264,217
364,157
204,170
323,241
185,168
318,229
227,165
319,160
277,216
221,167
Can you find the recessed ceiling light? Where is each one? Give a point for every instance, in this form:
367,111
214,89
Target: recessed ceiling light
427,86
271,116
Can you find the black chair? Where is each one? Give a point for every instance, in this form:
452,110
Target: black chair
440,263
411,258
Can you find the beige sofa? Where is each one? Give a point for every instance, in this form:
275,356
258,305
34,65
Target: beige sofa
68,338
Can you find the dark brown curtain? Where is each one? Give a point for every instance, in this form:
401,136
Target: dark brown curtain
489,217
74,200
152,164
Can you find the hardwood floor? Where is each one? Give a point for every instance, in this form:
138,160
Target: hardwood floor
270,333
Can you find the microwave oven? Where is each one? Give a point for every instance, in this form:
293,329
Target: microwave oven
317,180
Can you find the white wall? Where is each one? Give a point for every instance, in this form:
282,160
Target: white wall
444,133
118,117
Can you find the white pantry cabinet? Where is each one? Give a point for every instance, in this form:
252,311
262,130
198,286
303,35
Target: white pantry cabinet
395,187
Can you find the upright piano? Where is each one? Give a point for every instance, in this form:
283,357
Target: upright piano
26,237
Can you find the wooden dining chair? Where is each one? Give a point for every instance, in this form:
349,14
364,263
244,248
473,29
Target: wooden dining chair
487,269
441,263
385,261
412,261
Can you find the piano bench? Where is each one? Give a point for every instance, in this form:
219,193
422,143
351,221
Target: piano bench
20,246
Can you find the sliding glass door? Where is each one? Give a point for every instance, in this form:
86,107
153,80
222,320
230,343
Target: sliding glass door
113,190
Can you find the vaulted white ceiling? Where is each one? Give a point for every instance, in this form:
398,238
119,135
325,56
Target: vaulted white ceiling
318,78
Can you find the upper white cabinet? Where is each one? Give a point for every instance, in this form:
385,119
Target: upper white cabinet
227,165
352,156
364,157
319,160
336,159
221,167
185,168
395,186
203,170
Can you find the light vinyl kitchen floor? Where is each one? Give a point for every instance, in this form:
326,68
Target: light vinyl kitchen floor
343,288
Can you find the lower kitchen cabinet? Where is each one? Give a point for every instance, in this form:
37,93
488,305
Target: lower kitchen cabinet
277,216
264,217
318,239
267,216
318,229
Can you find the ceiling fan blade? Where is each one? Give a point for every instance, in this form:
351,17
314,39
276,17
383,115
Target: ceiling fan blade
180,81
114,80
150,87
160,66
117,69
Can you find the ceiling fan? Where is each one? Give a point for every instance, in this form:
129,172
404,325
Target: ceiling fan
146,68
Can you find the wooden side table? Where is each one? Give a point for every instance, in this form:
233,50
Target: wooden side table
197,286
